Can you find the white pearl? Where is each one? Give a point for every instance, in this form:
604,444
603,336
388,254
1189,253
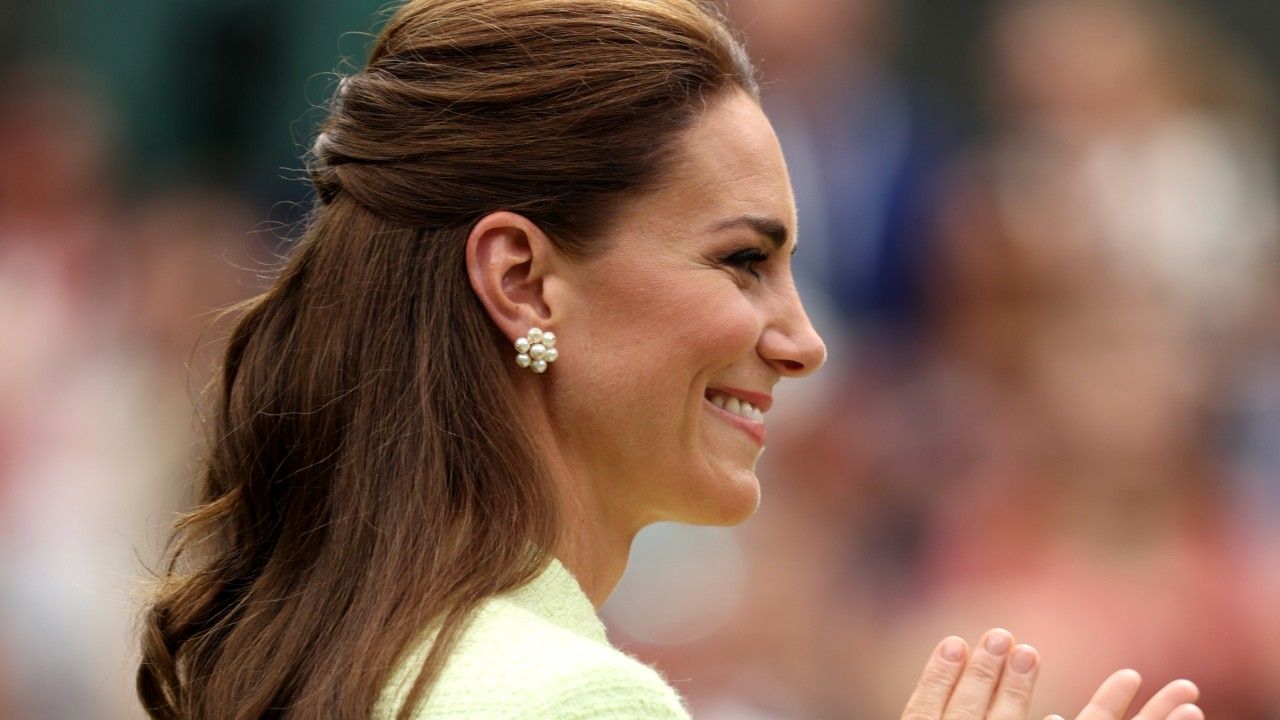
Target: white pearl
522,345
551,355
535,335
549,339
523,360
538,351
539,366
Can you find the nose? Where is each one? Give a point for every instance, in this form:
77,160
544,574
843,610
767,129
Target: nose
790,343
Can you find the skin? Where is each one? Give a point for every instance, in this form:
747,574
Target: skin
671,307
674,306
983,684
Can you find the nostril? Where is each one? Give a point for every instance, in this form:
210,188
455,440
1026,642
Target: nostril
793,356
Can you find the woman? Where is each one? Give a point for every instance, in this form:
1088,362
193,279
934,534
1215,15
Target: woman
540,305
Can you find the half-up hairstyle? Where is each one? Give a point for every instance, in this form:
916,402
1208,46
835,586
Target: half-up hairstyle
366,475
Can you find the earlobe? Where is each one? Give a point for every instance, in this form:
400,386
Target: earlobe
508,258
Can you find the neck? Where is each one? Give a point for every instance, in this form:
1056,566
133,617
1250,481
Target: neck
597,526
592,550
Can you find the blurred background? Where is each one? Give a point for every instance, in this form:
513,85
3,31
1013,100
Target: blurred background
1039,236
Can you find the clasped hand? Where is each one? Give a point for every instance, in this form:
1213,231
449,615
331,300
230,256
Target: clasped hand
995,681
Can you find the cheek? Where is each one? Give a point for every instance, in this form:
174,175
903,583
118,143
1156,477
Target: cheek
717,335
702,322
661,338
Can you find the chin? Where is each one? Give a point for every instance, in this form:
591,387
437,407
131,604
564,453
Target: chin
728,500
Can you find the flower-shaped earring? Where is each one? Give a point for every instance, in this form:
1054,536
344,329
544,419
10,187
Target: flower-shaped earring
536,350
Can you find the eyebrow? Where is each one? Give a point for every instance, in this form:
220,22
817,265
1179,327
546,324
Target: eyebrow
771,228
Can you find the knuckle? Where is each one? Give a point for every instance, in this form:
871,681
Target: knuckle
986,672
1015,688
917,715
938,679
1017,694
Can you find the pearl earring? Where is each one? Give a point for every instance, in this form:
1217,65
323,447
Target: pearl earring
536,350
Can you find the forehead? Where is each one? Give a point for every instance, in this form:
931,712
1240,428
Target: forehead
728,164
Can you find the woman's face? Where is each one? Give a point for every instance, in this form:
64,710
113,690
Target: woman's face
691,308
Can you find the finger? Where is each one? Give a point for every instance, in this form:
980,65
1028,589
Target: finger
1187,712
1113,697
1013,695
973,692
1055,717
1161,705
937,680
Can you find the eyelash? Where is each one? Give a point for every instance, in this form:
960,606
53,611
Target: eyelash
747,259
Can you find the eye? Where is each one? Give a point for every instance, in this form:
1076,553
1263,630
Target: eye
746,259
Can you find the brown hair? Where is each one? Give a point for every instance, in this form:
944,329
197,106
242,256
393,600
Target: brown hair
366,475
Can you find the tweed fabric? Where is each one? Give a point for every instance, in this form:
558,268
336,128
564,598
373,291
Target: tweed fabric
539,651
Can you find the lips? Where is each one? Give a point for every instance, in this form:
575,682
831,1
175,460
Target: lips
742,408
734,405
761,400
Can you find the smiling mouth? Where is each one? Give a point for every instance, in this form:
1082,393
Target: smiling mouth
738,407
739,413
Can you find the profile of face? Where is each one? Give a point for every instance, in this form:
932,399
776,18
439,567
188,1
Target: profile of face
672,338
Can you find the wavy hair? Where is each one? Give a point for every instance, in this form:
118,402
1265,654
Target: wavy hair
366,475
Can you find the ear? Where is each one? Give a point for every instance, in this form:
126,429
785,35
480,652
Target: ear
508,261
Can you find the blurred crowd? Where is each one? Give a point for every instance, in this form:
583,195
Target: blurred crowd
1052,402
105,310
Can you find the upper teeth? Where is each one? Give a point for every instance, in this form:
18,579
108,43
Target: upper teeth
737,407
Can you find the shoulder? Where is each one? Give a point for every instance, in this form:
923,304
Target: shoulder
625,689
511,663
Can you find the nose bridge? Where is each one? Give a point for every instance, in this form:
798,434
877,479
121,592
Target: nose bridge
790,338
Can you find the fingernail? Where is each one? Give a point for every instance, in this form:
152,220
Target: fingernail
953,649
1024,658
1195,689
1191,711
998,642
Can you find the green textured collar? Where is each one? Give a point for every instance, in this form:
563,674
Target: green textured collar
556,595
